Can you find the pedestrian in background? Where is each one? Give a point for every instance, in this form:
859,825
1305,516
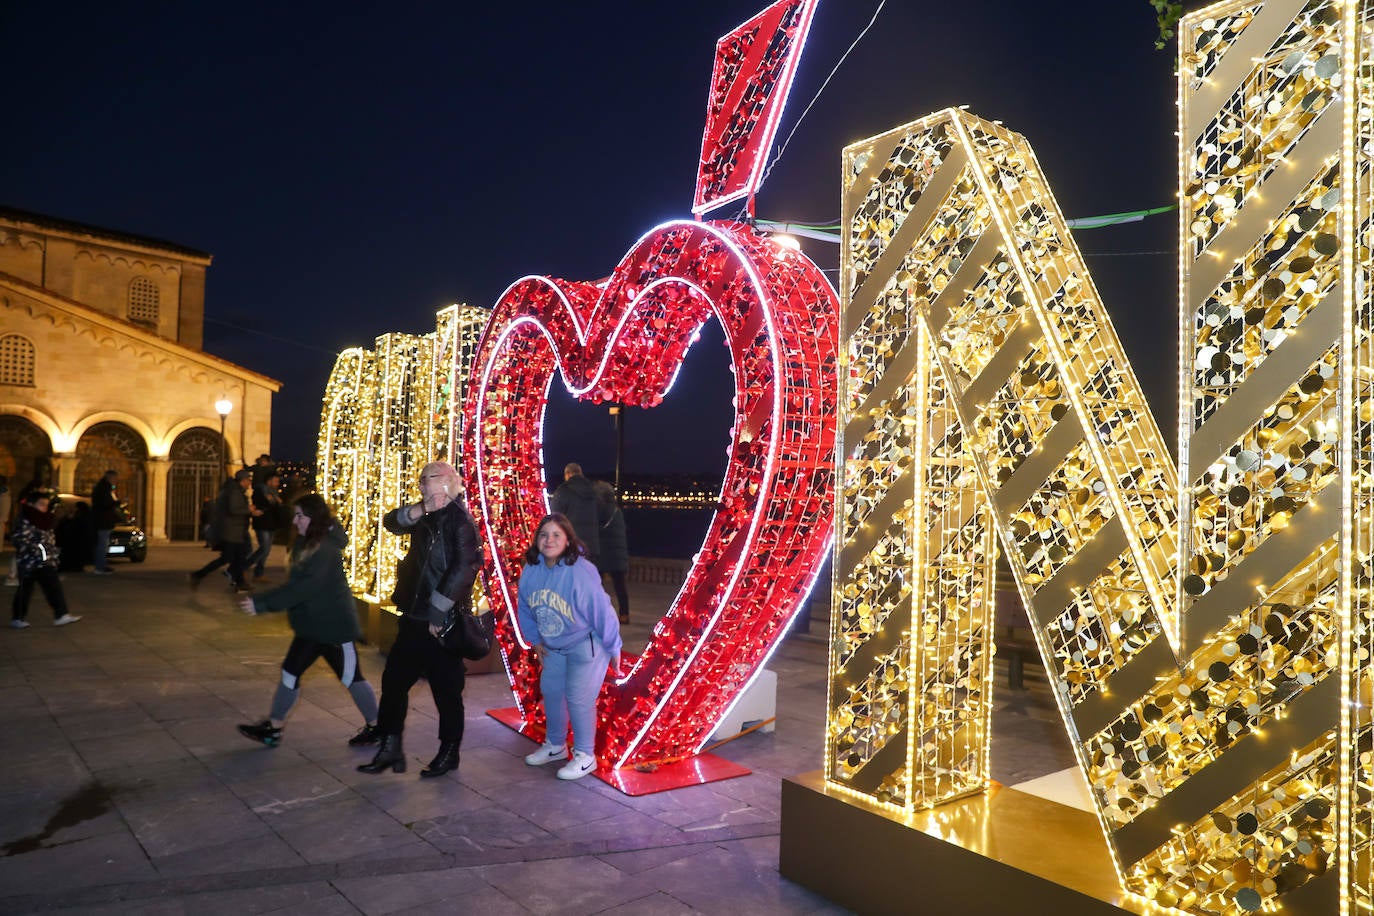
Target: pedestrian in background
320,607
267,500
35,544
5,502
230,518
104,516
75,538
433,581
615,549
566,616
31,489
263,468
575,499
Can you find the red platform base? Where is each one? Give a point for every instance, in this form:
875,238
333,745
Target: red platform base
633,781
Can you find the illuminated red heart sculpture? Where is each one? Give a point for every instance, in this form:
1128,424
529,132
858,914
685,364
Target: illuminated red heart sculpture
623,341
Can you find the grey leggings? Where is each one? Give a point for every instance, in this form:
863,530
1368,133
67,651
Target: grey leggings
341,657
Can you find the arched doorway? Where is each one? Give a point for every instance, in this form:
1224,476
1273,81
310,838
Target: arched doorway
193,478
113,445
25,454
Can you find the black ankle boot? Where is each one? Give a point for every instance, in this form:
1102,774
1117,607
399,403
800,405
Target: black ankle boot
445,760
390,754
369,735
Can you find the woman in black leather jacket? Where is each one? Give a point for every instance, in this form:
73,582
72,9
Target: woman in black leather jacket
434,580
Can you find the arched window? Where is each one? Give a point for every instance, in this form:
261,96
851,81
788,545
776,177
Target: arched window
143,301
16,360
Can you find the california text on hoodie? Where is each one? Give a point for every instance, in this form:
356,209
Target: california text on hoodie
562,604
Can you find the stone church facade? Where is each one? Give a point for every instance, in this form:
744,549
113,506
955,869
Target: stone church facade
101,367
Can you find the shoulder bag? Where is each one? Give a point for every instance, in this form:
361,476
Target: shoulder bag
468,633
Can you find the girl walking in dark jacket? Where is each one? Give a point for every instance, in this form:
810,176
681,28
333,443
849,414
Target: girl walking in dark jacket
35,546
320,607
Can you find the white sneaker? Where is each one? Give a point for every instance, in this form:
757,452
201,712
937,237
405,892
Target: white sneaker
547,753
580,765
19,624
11,582
65,619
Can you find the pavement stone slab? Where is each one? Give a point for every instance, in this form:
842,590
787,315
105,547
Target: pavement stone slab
412,802
387,894
480,830
641,860
484,901
554,804
572,885
343,826
656,904
105,723
108,859
721,880
262,851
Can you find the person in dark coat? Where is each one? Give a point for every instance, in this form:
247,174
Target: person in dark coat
320,606
263,468
615,550
231,515
433,581
104,516
576,499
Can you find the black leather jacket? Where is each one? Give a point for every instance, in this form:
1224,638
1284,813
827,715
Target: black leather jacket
441,565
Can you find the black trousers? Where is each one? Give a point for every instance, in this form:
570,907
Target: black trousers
45,577
414,655
233,555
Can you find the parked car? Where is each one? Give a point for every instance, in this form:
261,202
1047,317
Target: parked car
127,540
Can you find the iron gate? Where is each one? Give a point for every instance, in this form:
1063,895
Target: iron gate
189,485
193,478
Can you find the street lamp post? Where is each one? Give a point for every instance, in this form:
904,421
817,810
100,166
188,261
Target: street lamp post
222,407
618,411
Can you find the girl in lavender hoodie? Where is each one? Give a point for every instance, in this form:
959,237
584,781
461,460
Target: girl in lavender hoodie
567,617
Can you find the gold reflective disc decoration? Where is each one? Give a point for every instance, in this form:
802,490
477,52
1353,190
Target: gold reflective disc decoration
387,413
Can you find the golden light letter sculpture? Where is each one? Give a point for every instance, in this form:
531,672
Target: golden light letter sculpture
1206,629
388,412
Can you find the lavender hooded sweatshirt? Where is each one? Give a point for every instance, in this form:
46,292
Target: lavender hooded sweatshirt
559,606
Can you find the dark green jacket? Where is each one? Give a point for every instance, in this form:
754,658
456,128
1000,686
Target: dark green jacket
316,595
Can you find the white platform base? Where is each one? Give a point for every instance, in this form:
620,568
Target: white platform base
1067,787
759,702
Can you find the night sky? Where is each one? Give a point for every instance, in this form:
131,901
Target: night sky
353,168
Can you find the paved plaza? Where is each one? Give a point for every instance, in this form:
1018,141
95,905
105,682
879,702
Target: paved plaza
128,790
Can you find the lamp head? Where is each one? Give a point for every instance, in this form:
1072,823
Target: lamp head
223,406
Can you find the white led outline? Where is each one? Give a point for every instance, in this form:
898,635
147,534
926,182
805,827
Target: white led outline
479,447
581,334
768,129
768,656
727,237
766,487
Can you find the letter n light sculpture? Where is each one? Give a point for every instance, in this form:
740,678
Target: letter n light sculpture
1206,629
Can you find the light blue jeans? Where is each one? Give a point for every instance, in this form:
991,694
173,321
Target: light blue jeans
570,682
